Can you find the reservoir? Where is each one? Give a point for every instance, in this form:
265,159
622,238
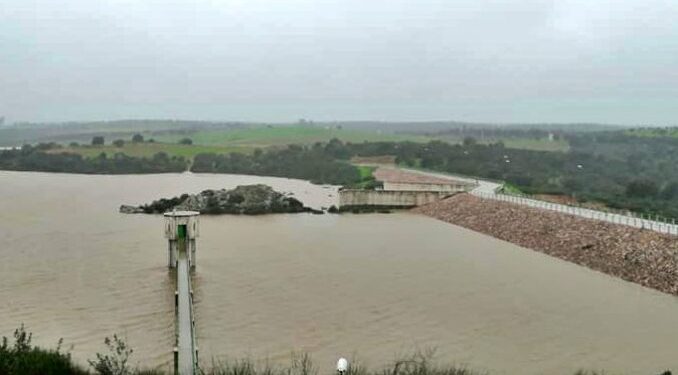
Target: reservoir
374,287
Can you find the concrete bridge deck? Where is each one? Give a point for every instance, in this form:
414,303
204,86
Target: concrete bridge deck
186,349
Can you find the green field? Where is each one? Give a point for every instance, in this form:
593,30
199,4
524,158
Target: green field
246,139
536,144
653,132
266,136
225,141
365,171
541,144
272,136
150,149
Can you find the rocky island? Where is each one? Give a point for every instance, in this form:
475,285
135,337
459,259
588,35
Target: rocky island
243,200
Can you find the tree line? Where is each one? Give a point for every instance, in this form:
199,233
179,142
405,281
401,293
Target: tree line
614,168
317,163
36,158
609,167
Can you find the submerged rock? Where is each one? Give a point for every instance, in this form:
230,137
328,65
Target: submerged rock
243,200
126,209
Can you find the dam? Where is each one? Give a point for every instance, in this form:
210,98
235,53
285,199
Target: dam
403,189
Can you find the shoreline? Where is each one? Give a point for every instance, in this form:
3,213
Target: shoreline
640,256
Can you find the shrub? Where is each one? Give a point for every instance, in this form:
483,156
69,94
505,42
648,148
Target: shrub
115,363
22,358
642,188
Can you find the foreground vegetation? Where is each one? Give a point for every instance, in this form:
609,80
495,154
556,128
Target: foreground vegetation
22,358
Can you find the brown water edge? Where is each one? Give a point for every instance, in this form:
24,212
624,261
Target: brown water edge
374,285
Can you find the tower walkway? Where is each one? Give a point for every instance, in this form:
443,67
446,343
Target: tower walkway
186,353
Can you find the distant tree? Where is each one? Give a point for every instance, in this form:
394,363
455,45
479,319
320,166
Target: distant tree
642,189
151,140
47,146
74,144
137,138
118,143
33,158
161,158
670,191
186,141
337,149
470,141
97,141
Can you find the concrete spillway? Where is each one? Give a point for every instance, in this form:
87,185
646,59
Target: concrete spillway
186,351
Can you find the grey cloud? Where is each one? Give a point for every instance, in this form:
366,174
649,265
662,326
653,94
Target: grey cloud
502,61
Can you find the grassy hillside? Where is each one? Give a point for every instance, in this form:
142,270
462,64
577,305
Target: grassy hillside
224,141
243,136
149,149
22,133
520,143
653,132
266,136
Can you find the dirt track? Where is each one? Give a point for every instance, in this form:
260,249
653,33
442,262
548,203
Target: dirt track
640,256
387,174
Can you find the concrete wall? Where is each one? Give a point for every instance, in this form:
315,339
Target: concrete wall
172,222
412,186
350,197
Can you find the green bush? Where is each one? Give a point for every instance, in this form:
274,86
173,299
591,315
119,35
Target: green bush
22,358
116,362
33,158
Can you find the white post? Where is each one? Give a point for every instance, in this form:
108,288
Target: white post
171,254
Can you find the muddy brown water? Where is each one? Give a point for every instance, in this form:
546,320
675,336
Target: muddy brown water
372,286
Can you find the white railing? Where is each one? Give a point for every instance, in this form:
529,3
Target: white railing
657,224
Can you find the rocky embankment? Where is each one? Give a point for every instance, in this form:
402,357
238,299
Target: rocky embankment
245,200
641,256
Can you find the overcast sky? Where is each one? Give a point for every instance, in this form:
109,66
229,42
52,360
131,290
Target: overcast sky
612,61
